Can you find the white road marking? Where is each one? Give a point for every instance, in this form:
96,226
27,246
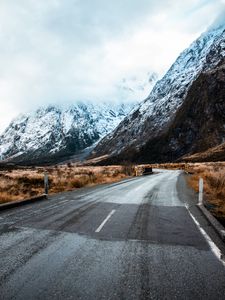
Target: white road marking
212,245
106,219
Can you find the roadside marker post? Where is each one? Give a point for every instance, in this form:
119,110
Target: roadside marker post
136,171
46,183
200,194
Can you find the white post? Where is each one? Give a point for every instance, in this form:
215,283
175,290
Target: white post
200,194
136,171
46,183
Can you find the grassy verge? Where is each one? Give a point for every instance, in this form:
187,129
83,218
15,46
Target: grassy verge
213,175
23,183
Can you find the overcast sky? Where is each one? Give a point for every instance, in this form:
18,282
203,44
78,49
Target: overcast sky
55,51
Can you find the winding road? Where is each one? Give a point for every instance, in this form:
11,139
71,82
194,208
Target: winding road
141,238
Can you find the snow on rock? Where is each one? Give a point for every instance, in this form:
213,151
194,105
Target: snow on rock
50,130
157,111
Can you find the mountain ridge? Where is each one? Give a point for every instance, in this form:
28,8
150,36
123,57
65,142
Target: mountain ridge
54,133
156,114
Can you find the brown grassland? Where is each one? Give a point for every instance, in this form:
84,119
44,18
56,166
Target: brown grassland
22,183
213,175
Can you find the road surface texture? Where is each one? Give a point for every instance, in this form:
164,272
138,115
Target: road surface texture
142,238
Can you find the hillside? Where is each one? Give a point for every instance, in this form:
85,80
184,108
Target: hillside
212,154
183,114
51,134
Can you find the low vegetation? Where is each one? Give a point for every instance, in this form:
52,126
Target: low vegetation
22,183
16,184
214,186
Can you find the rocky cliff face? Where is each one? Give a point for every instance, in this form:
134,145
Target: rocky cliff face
52,133
184,111
199,123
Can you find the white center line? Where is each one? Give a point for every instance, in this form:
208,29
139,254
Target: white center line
106,219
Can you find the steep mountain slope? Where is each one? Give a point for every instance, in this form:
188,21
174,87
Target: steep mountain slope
53,133
212,154
141,136
199,123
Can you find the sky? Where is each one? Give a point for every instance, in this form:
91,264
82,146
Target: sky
60,52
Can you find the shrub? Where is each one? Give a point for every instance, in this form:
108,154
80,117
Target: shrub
32,181
80,182
128,170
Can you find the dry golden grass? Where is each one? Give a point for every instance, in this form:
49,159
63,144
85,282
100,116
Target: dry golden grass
24,183
213,175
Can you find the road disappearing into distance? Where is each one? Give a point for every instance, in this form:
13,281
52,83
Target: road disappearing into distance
141,238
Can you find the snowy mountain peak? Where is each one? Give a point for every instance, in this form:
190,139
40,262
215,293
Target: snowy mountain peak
53,130
154,115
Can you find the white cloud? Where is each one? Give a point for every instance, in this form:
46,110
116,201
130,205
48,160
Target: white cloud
62,51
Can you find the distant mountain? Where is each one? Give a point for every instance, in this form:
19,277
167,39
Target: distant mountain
184,112
52,134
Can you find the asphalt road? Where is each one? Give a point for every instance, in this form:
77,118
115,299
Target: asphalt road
137,239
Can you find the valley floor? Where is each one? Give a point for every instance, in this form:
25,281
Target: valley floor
23,183
142,238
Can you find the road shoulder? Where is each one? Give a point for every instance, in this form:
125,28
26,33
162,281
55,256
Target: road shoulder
190,198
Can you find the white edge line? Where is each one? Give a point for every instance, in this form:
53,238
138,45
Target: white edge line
106,219
212,245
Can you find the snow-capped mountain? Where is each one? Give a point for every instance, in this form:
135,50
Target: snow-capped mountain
143,128
52,132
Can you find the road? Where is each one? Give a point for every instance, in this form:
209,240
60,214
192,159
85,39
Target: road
142,238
